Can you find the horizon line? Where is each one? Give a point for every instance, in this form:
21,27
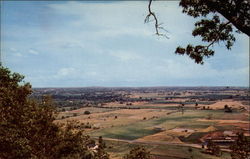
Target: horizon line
142,86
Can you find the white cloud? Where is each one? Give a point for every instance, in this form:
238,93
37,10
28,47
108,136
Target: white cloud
13,49
124,55
18,54
118,32
110,19
66,72
34,52
14,52
92,73
76,73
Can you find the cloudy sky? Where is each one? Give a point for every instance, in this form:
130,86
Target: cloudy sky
77,44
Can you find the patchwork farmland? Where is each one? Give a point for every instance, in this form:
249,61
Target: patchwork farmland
171,122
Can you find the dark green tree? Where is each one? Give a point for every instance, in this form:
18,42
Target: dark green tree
101,143
196,105
27,127
138,152
87,112
240,148
101,153
211,27
213,148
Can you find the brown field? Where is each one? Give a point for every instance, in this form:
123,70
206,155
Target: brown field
124,117
159,122
230,103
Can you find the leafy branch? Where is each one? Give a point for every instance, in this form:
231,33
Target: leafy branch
212,31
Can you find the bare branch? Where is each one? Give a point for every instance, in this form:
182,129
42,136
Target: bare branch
157,25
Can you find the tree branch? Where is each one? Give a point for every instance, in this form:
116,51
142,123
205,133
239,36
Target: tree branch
232,16
216,39
157,25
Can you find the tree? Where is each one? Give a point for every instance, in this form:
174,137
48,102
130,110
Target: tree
240,148
196,105
101,143
212,28
181,108
226,106
138,152
213,148
71,143
209,116
86,112
227,109
101,153
27,128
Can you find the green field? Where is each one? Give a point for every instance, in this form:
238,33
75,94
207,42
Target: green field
143,128
118,149
172,152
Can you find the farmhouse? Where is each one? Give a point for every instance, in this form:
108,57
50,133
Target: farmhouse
225,139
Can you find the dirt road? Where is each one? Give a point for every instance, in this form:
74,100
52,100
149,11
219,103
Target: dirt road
153,142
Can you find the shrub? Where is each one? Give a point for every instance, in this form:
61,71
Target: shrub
190,149
209,116
240,148
138,152
86,112
213,148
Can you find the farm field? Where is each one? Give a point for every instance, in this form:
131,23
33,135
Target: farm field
118,148
168,123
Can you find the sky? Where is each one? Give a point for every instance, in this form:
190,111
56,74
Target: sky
97,43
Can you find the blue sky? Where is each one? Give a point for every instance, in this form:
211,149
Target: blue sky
77,44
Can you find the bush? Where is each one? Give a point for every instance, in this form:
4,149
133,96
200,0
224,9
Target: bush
63,110
228,109
213,148
86,112
138,152
209,116
240,149
225,106
190,149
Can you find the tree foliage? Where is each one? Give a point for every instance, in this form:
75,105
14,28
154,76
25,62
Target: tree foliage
101,153
240,148
213,148
27,127
211,27
138,152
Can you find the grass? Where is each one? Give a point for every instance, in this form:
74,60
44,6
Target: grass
188,120
128,132
178,102
119,149
144,128
173,151
193,138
